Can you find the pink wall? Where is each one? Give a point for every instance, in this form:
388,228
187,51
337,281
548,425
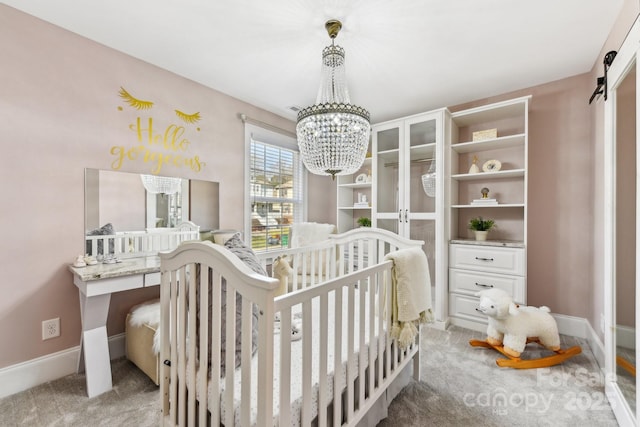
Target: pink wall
59,114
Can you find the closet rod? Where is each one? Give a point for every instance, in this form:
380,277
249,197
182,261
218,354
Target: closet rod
412,161
246,119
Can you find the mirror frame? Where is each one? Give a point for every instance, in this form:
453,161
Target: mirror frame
626,58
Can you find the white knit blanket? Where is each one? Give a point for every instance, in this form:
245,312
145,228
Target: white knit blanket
410,293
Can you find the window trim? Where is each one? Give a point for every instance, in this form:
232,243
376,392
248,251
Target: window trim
266,136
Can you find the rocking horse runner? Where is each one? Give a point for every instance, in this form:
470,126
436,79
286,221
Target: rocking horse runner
512,326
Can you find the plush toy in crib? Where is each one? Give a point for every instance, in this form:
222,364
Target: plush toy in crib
511,324
282,270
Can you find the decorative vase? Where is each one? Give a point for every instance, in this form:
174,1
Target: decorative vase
481,235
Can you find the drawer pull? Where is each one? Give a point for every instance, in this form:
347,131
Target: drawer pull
482,285
484,259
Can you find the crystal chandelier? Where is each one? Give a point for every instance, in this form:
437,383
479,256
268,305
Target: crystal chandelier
161,184
333,134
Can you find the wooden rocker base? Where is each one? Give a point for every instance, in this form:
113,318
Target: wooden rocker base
626,365
518,363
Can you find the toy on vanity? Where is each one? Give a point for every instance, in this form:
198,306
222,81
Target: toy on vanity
512,326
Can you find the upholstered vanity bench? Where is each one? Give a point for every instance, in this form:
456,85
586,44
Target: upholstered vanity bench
140,329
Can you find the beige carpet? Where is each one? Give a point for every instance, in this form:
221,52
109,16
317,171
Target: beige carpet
461,386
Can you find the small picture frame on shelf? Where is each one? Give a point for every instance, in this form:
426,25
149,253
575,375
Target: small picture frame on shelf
361,179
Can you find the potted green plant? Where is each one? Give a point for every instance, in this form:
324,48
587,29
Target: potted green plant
363,221
481,227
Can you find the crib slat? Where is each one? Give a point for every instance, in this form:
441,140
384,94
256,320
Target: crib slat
230,356
362,284
373,287
173,337
323,349
351,258
191,329
216,300
313,274
337,359
203,334
245,367
165,310
182,336
305,260
382,312
388,355
307,355
350,344
360,254
285,367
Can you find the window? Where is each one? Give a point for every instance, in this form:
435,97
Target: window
275,189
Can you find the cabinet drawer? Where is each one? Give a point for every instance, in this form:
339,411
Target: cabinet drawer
488,258
152,279
470,282
465,307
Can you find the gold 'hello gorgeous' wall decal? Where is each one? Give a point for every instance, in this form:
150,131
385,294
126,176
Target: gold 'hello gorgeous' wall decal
188,118
136,103
157,145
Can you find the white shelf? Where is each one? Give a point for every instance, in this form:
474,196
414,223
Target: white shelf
423,151
356,185
500,110
489,144
353,208
512,173
499,205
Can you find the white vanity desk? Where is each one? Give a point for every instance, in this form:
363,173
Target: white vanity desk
96,283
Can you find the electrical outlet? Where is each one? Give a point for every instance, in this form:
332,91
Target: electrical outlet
50,328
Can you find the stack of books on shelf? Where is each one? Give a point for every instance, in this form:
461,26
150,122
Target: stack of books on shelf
484,202
361,205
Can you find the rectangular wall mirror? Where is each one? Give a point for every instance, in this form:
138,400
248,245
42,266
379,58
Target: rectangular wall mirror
121,199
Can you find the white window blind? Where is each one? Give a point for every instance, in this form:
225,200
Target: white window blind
276,194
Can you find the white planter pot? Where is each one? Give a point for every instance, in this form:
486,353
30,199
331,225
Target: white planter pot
481,235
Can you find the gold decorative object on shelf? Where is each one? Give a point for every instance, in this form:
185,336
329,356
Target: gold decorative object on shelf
482,135
474,165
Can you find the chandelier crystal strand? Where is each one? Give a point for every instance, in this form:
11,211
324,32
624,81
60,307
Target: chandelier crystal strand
333,135
161,184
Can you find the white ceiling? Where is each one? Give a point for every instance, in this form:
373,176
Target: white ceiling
402,56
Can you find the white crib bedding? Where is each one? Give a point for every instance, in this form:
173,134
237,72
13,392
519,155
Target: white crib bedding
296,363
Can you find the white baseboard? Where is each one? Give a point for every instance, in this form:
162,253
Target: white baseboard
23,376
626,337
581,328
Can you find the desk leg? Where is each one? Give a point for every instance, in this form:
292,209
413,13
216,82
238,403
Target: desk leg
94,345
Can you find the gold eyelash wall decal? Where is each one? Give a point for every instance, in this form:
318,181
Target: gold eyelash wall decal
136,103
188,118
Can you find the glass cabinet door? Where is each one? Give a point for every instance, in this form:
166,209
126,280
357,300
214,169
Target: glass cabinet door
422,133
387,141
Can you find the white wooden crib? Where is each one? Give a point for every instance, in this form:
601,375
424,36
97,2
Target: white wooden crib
332,376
